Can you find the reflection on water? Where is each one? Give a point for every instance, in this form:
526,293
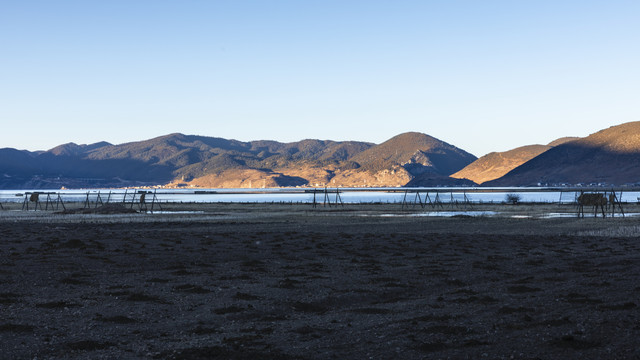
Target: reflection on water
286,195
458,213
174,212
442,214
495,214
569,215
557,215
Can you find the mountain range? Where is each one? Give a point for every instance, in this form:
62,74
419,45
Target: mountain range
186,160
497,164
409,159
608,157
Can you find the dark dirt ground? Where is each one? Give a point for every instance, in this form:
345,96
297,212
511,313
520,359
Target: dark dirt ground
272,283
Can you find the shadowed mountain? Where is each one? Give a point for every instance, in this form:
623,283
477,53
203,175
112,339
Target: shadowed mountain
215,162
410,159
434,180
73,149
609,156
16,162
496,164
416,152
317,162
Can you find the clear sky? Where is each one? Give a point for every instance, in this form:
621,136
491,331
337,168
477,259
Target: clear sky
482,75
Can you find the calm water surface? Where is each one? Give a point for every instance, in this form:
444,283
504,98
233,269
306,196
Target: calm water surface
300,196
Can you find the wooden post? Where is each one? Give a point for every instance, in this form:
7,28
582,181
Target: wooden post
611,203
314,197
404,199
60,202
427,200
133,199
417,197
86,202
580,206
35,198
576,202
99,200
437,200
467,202
153,201
327,200
48,201
615,200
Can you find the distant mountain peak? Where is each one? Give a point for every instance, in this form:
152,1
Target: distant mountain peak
213,161
562,140
73,149
496,164
417,152
624,138
606,157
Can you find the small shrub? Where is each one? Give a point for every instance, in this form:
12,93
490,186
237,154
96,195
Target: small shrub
512,199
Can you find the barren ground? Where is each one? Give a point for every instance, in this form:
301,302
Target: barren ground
241,281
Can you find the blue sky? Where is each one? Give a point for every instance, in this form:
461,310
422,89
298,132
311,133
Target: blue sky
482,75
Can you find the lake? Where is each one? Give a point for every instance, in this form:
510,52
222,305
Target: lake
305,195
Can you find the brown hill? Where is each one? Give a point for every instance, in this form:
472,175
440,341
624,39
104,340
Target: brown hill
409,158
416,152
72,149
352,164
496,164
562,140
184,160
607,157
